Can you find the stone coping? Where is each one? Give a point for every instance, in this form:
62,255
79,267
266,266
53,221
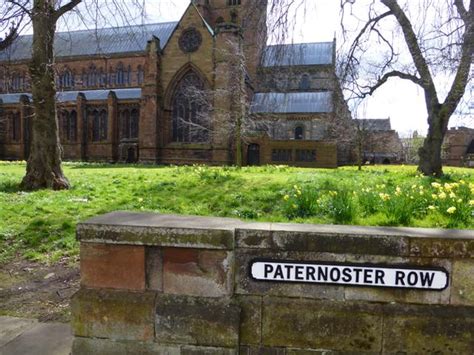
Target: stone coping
154,229
138,219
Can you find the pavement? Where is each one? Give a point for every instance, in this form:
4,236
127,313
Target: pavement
20,336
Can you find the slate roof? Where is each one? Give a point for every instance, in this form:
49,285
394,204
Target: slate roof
320,53
294,102
96,42
375,124
71,96
12,98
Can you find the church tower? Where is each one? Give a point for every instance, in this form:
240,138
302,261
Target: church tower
249,15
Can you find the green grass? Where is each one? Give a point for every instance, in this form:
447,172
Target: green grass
41,225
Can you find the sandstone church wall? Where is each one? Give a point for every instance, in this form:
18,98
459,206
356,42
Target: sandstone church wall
160,284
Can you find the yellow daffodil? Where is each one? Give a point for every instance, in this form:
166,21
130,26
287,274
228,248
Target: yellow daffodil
451,210
384,197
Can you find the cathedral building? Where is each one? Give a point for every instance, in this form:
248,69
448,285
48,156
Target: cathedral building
185,92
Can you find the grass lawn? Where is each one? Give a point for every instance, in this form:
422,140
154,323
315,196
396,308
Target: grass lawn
41,225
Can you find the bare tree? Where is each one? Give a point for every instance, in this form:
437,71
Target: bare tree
44,162
11,21
418,41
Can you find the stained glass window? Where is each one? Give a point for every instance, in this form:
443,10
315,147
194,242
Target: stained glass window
190,40
190,110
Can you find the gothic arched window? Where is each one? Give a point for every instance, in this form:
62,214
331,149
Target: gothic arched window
66,79
95,126
63,127
92,77
125,116
120,75
140,75
17,82
72,131
305,82
299,132
134,116
99,125
129,123
103,125
84,78
102,78
15,124
190,110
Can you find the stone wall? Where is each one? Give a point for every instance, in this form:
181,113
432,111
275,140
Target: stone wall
161,284
455,145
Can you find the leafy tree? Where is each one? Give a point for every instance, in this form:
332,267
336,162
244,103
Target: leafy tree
420,41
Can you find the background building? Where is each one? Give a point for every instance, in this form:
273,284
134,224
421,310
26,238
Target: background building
175,92
458,147
379,143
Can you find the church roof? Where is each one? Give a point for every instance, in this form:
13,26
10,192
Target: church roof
374,124
293,102
282,55
71,96
96,42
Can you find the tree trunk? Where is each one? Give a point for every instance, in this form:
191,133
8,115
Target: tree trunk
43,168
430,153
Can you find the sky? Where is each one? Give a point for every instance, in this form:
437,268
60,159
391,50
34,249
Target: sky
400,100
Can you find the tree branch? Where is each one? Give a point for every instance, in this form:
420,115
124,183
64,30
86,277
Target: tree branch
371,23
392,74
462,75
8,40
462,10
21,6
65,8
415,51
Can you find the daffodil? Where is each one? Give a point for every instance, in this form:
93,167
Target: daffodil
384,197
451,210
286,197
398,191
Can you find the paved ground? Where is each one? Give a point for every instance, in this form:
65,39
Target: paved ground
20,336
